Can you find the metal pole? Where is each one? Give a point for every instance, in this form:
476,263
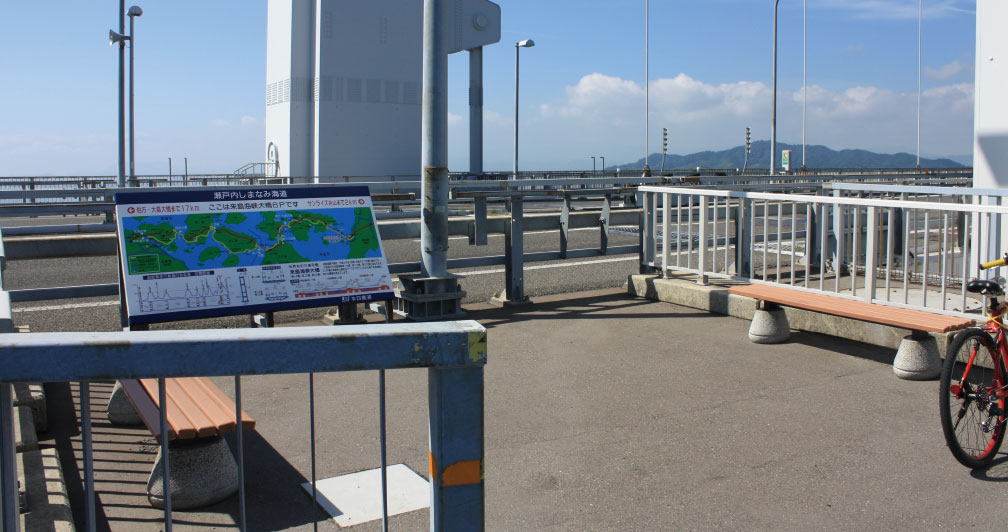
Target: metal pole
514,171
804,77
593,164
121,180
381,430
10,519
476,111
434,212
132,169
603,164
773,109
88,450
242,524
169,169
647,77
920,50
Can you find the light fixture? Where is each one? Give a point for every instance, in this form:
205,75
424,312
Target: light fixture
527,43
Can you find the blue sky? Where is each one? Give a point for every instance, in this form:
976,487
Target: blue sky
201,73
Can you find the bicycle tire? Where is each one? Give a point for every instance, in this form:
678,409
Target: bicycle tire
972,433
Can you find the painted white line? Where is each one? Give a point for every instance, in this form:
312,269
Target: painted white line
528,233
550,266
67,307
461,274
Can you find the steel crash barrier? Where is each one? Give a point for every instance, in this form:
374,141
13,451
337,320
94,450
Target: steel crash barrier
910,253
454,354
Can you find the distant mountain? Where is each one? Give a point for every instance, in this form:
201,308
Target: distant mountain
816,157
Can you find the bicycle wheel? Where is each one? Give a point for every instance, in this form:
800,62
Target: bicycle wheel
972,422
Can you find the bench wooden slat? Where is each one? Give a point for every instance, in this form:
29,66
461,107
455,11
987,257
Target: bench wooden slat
197,408
190,407
209,405
145,408
180,424
860,310
226,406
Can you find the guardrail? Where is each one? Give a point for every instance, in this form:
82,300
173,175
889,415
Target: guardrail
453,352
916,254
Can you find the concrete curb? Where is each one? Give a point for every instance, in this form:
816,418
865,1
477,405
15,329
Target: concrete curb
48,503
714,297
25,437
33,396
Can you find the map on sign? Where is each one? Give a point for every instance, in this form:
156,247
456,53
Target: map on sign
196,254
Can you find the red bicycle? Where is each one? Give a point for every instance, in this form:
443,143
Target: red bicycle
974,381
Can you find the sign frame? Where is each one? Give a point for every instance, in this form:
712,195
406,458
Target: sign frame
209,300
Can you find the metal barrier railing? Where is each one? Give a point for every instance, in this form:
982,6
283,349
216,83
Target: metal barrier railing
910,253
453,352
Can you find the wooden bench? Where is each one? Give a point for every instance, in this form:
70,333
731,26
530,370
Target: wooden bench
917,356
203,470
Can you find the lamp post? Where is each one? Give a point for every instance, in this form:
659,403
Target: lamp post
804,77
603,163
593,164
527,43
773,108
120,37
920,49
647,86
134,11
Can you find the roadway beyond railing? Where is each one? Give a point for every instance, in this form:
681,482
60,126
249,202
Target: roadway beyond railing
909,253
453,352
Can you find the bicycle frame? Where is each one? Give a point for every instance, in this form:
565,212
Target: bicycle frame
996,327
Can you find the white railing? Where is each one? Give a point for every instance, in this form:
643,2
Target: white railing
909,253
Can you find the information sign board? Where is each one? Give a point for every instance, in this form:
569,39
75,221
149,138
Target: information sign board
196,254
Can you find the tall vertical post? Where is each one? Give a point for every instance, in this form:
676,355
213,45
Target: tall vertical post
434,145
514,168
773,108
920,53
647,85
455,403
121,178
804,110
476,111
132,117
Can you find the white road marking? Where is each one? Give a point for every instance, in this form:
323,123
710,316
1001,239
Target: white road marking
460,274
550,266
67,307
527,233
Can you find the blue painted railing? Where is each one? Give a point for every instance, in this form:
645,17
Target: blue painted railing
454,353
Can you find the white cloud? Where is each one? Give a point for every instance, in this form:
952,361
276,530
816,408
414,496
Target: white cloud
249,120
454,120
604,115
220,123
948,71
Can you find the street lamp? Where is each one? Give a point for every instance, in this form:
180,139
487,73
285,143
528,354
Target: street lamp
120,37
527,43
593,164
603,164
773,109
134,11
920,47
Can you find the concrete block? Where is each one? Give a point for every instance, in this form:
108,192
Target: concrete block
48,505
202,472
24,430
917,358
119,409
33,396
769,327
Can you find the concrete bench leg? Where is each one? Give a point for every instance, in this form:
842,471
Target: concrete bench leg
202,472
917,357
769,325
120,410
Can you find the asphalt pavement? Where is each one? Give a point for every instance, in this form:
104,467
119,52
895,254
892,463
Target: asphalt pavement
609,413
